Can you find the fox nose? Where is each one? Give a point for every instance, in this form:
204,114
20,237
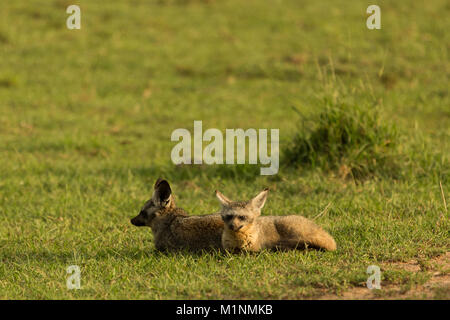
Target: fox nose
135,221
235,228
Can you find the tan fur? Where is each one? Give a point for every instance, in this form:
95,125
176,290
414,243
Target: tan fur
245,230
173,228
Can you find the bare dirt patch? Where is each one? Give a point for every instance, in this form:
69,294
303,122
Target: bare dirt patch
438,287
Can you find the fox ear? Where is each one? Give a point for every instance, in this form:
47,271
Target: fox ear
158,182
259,201
223,200
162,191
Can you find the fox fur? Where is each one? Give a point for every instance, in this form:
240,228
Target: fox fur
173,228
245,230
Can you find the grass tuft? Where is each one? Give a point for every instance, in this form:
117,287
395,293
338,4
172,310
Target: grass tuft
350,139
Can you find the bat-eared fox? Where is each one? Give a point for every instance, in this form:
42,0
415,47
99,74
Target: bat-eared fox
238,227
173,228
245,230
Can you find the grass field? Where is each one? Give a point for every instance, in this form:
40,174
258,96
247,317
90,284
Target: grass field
86,117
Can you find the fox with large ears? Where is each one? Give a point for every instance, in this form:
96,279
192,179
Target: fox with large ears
173,228
245,230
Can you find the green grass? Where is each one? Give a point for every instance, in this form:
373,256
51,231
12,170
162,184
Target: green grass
86,118
353,139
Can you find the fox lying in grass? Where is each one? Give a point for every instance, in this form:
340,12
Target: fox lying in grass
245,230
173,228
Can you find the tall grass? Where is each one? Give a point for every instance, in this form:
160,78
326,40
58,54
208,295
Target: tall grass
351,139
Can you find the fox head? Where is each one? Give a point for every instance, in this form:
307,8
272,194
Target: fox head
239,215
161,201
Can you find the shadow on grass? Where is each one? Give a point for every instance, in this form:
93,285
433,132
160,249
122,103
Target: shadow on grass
254,72
168,171
191,172
67,257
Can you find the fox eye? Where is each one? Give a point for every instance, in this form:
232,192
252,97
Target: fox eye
242,218
228,217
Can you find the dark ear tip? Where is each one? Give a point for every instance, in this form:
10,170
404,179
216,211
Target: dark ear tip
266,189
159,181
